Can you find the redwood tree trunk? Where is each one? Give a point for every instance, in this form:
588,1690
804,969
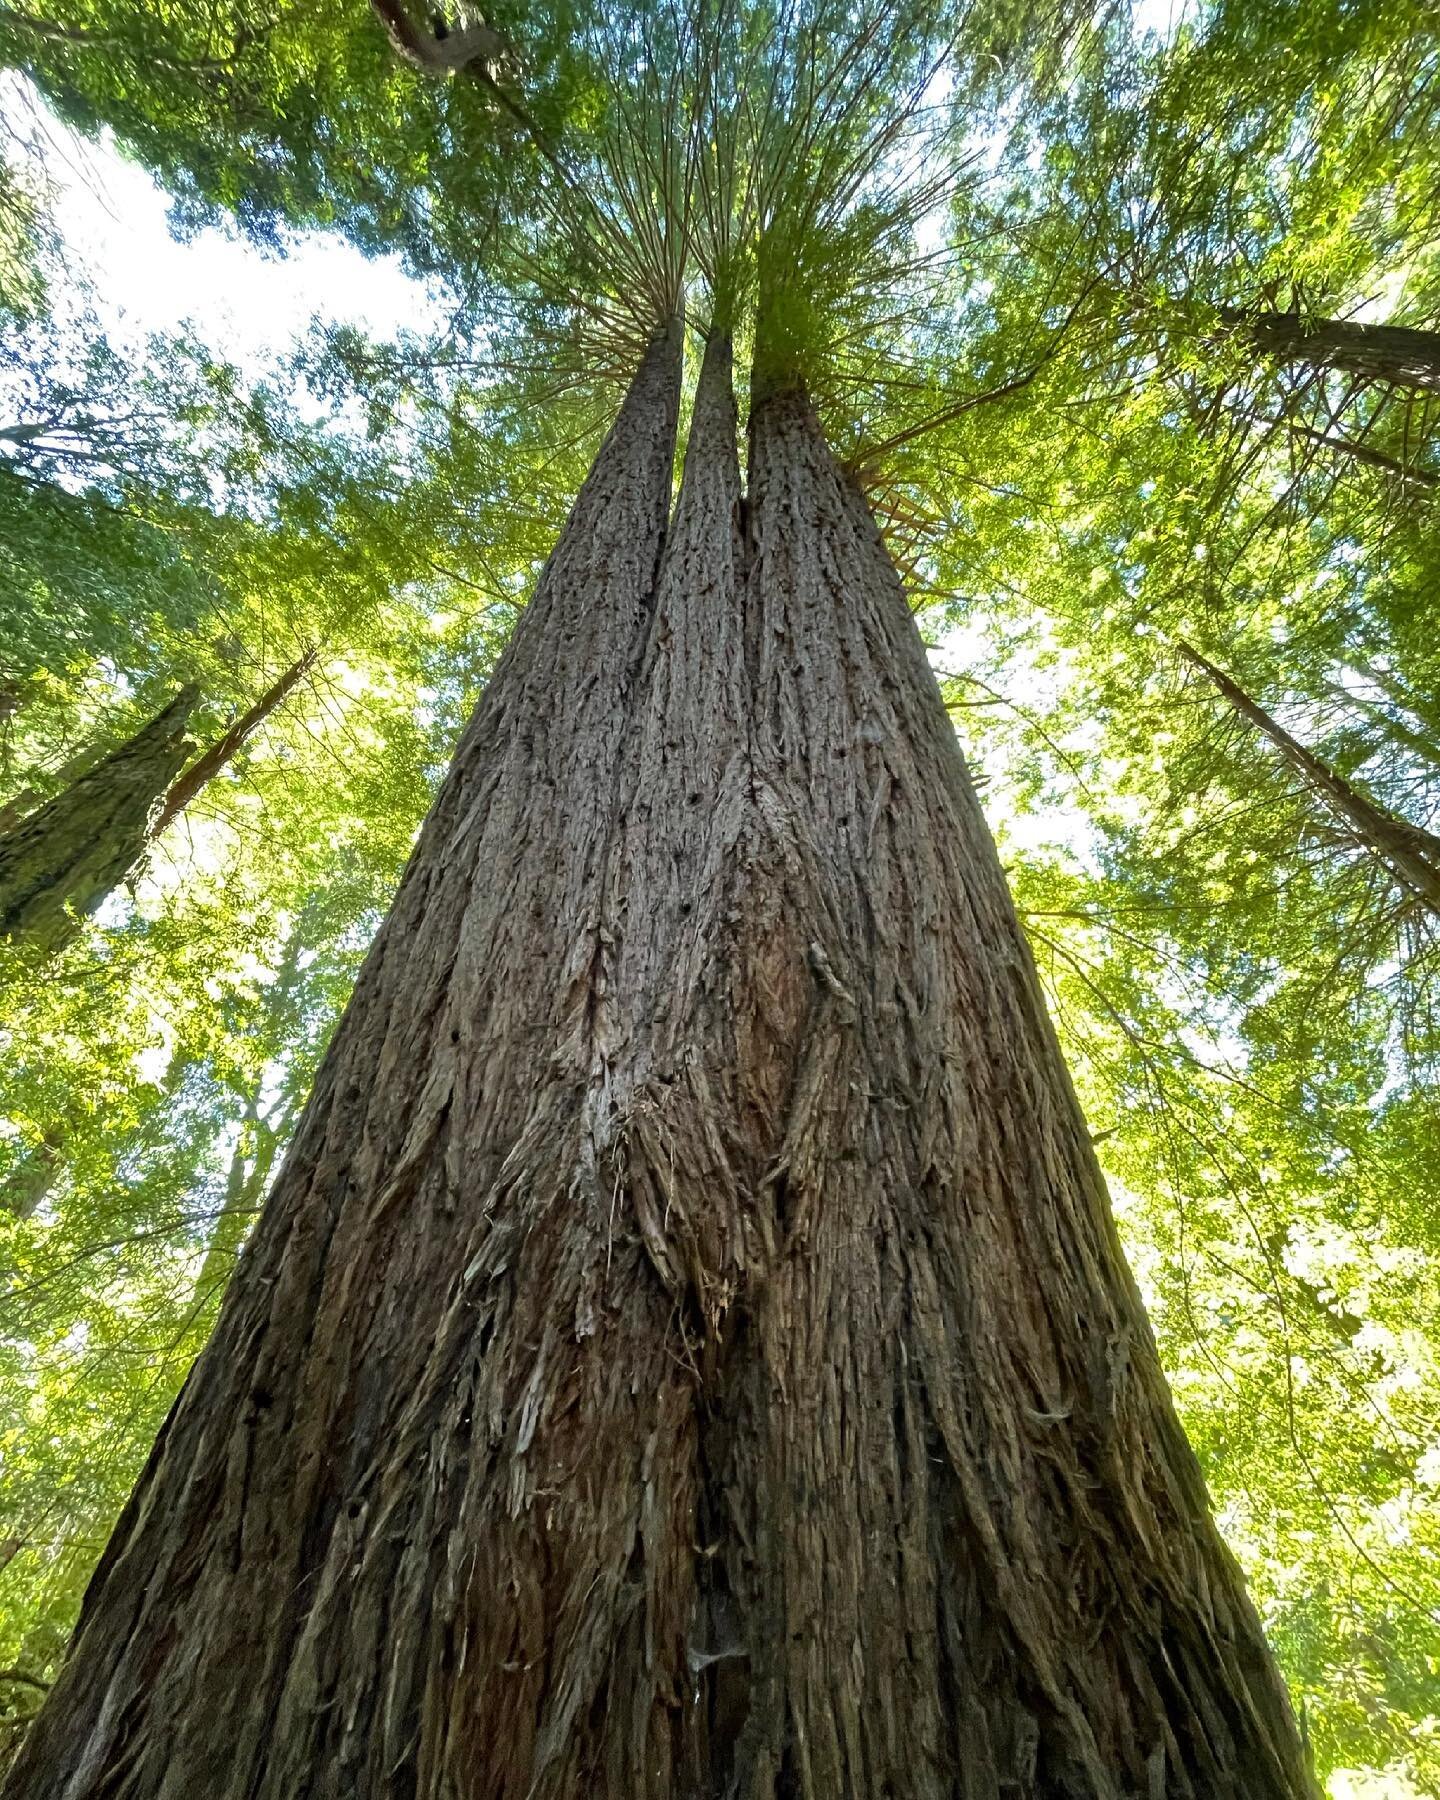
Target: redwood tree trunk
64,860
687,1351
1398,355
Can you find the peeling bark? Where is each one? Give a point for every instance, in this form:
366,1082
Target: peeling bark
687,1352
63,861
440,51
291,1603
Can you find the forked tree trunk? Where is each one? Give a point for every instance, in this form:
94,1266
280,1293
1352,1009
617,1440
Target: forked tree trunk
1410,855
1397,355
63,861
686,1352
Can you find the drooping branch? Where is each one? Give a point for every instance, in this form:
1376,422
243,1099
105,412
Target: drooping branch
225,748
1017,384
1354,449
1367,454
1411,855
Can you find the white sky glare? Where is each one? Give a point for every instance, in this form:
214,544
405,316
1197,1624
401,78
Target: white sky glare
247,304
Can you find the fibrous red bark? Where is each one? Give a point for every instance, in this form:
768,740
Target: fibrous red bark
687,1351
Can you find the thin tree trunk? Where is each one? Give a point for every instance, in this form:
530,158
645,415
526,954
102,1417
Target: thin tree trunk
1389,723
1419,705
1367,454
1398,355
223,751
1352,448
1411,856
687,1352
16,808
63,861
250,1165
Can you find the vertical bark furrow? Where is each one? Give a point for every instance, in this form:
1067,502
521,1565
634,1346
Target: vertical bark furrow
949,1352
687,1354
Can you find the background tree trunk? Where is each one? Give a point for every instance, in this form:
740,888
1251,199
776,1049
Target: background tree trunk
64,860
687,1351
223,751
1398,355
1411,856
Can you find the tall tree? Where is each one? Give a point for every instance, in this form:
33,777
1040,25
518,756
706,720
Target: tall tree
219,755
687,1348
1023,370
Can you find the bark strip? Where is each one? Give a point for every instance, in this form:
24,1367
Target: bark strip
971,1548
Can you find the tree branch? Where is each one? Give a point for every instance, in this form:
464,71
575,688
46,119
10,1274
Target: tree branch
33,1681
441,52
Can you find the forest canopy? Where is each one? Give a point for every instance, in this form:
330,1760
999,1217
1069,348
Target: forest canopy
1124,322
